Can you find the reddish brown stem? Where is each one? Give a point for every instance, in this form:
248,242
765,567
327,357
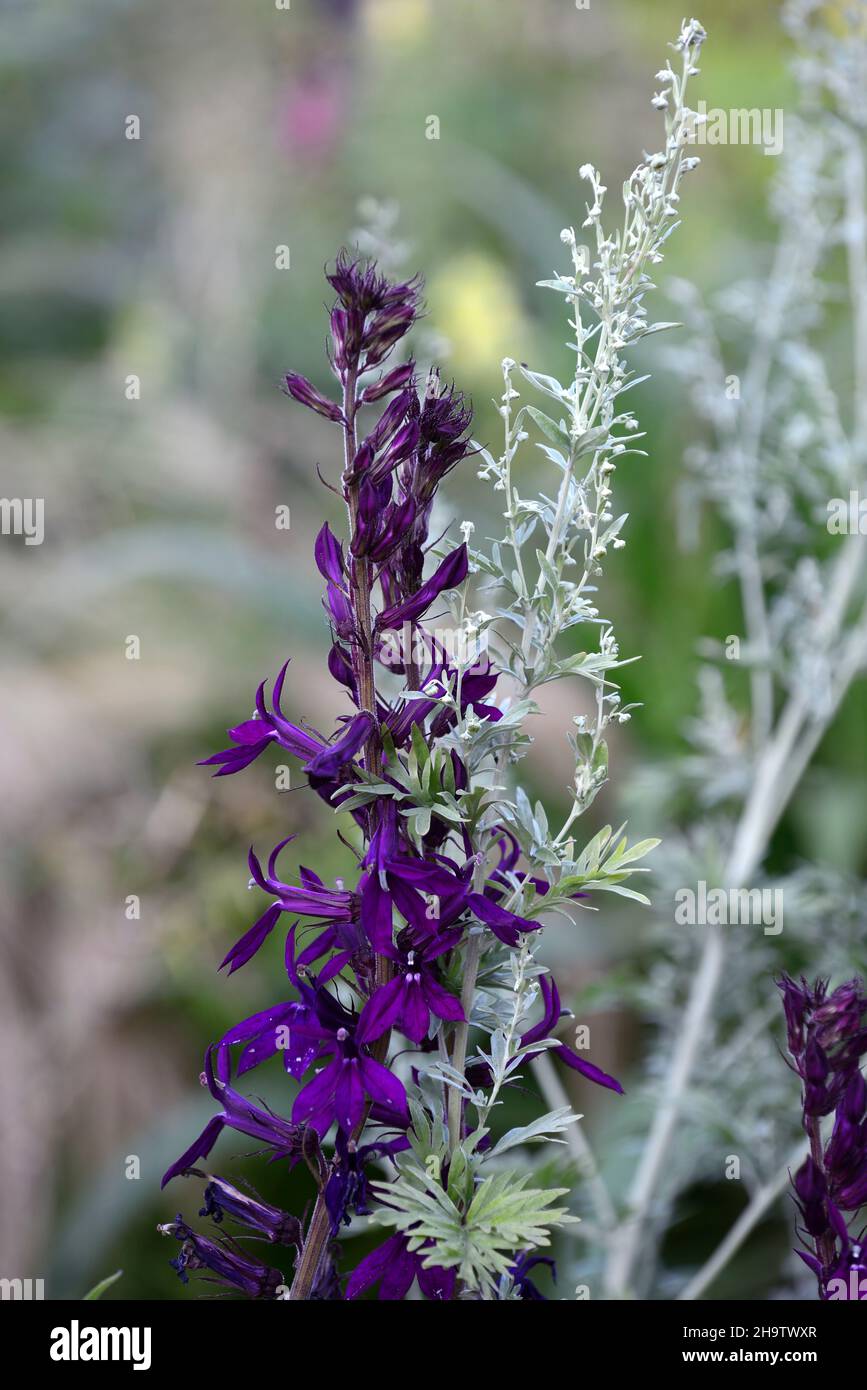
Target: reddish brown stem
360,579
825,1243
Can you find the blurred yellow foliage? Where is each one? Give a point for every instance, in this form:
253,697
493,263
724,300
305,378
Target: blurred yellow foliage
397,22
473,302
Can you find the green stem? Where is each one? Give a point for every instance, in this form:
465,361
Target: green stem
462,1031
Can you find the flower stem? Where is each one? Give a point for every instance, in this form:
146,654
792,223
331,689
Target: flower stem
316,1242
462,1031
825,1247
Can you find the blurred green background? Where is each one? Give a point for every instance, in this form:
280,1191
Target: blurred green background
155,257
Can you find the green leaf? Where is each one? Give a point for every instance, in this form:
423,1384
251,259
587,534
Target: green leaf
536,1132
99,1289
550,428
480,1242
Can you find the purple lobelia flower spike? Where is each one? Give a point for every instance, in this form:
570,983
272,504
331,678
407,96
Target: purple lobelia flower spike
379,954
827,1040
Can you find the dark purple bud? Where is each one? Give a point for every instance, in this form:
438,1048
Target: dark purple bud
811,1191
304,391
816,1063
340,667
361,463
397,521
346,331
809,1182
403,444
386,330
328,553
328,763
391,381
390,420
451,572
796,1002
373,499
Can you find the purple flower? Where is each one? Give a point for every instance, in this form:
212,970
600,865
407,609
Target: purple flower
827,1039
372,956
371,314
321,759
479,1075
508,926
409,999
285,1139
545,1029
310,898
319,1028
520,1273
394,1267
390,381
346,1190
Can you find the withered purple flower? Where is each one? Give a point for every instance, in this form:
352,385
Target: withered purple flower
222,1199
224,1258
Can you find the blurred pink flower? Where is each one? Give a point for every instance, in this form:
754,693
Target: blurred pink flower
311,118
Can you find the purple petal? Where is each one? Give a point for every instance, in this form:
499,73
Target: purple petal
314,1103
332,758
415,1015
372,1267
243,950
506,925
251,731
399,1273
440,1002
587,1069
451,572
199,1149
383,1087
436,1282
380,1011
349,1095
376,914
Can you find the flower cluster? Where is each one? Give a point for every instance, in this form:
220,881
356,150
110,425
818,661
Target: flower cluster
435,882
827,1038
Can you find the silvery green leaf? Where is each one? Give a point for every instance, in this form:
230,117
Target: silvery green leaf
589,441
549,384
613,530
658,328
554,455
538,1130
561,284
556,433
